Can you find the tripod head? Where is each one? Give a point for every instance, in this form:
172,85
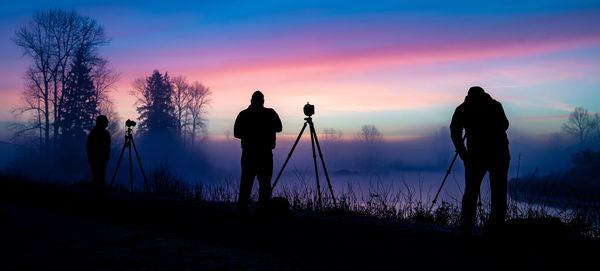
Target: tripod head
128,132
129,124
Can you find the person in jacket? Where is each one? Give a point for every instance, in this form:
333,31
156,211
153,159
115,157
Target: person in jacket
98,154
256,126
484,123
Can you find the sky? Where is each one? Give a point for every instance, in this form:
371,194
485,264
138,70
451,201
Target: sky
402,66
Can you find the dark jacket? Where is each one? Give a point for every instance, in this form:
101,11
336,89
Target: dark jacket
485,124
256,127
98,146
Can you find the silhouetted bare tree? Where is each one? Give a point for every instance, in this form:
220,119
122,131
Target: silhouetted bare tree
181,99
33,109
369,134
104,79
579,124
197,107
36,41
51,39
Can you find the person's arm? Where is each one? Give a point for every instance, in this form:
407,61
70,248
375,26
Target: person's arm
503,118
237,127
456,132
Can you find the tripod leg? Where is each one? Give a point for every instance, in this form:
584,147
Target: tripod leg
324,168
444,181
312,141
140,163
289,155
445,177
118,164
130,168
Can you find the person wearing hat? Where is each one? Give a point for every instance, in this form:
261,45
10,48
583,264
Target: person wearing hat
256,126
485,124
98,154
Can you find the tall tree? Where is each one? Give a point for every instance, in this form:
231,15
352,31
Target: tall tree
79,98
104,79
36,41
155,105
51,40
33,110
181,98
73,33
197,107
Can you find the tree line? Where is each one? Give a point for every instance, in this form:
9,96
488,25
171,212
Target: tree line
172,106
583,125
68,83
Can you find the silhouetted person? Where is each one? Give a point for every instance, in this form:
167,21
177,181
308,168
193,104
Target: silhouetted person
256,127
98,153
485,126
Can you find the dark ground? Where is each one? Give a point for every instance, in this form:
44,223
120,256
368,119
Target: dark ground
46,226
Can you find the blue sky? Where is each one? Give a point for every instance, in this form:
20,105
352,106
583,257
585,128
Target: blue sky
401,65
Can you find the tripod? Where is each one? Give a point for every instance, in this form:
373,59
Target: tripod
128,143
313,140
446,177
444,181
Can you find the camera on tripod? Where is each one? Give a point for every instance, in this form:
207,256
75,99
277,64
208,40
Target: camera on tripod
129,123
309,109
127,145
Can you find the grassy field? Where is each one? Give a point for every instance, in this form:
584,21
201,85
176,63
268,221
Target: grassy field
62,227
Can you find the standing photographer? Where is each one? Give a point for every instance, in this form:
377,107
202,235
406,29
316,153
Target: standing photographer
98,153
256,127
485,125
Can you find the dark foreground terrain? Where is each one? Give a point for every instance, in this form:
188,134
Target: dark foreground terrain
47,226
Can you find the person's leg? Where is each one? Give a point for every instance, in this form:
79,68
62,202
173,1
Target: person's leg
498,186
96,179
101,180
265,173
474,173
247,180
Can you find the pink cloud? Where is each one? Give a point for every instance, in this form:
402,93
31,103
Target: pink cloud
310,51
324,63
